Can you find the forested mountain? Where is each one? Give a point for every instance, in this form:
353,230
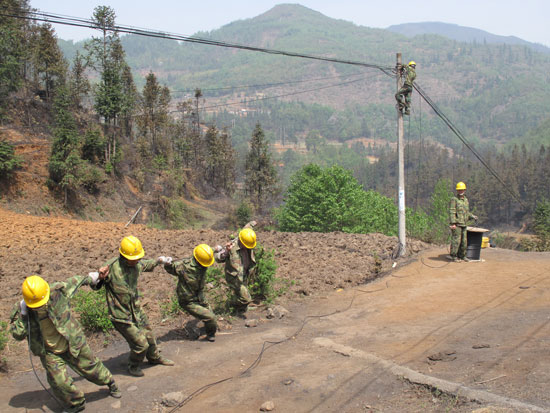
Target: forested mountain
170,120
495,92
462,34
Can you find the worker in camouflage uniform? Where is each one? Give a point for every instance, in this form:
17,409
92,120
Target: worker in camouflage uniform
240,265
459,214
120,278
55,335
403,96
191,273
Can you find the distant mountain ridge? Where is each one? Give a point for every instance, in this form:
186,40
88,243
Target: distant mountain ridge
462,34
494,92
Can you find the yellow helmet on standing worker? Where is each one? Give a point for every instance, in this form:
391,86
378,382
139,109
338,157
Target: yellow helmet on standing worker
204,255
248,238
131,248
36,291
412,63
461,186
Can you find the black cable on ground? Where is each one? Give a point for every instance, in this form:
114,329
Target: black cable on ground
265,346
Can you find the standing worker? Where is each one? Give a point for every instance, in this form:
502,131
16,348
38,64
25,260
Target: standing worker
120,278
240,265
459,214
405,91
44,318
191,273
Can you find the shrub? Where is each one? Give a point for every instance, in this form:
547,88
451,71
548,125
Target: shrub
219,295
8,160
243,213
262,284
92,309
3,335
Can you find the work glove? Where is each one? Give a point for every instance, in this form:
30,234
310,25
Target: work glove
474,217
94,276
218,248
164,260
23,308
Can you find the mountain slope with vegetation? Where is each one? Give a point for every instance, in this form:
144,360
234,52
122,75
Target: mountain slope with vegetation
462,34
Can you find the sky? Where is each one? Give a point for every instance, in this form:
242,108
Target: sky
526,19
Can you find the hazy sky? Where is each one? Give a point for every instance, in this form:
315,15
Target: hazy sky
527,19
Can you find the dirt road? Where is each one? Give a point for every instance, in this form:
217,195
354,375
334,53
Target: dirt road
480,325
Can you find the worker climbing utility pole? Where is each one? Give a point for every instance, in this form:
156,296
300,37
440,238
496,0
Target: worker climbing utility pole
401,169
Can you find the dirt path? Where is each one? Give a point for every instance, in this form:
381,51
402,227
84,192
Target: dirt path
484,325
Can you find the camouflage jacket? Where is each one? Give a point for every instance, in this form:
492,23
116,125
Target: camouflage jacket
239,261
121,289
459,211
191,279
59,312
410,75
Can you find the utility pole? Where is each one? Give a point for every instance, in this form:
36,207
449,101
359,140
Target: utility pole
401,169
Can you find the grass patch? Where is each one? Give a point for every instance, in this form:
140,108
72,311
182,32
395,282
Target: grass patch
91,307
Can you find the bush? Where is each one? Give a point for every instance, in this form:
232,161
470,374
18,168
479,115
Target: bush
243,213
262,284
92,309
8,160
3,335
219,295
170,308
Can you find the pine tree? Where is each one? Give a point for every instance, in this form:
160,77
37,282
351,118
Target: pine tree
50,65
65,162
78,81
261,176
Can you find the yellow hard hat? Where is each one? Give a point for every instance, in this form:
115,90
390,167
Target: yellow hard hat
131,249
36,291
204,255
248,238
412,63
460,186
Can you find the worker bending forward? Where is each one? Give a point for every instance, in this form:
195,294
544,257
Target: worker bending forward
55,335
120,279
191,273
240,265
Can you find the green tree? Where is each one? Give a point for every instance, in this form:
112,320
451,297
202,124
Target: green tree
65,162
78,81
50,66
439,210
331,199
261,176
153,120
13,47
8,159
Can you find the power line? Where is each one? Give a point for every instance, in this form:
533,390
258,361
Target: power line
460,136
89,23
266,85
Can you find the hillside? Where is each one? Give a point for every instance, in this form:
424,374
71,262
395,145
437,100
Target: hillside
462,34
495,92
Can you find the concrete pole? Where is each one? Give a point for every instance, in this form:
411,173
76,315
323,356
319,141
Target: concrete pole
401,170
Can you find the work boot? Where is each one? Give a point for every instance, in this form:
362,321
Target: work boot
465,259
114,391
75,409
456,259
161,360
407,112
211,338
135,370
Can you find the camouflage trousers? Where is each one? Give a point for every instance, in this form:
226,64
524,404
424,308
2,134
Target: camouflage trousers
404,92
203,312
240,294
140,338
86,365
458,242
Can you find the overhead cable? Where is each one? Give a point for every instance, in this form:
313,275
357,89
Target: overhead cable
468,145
89,23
